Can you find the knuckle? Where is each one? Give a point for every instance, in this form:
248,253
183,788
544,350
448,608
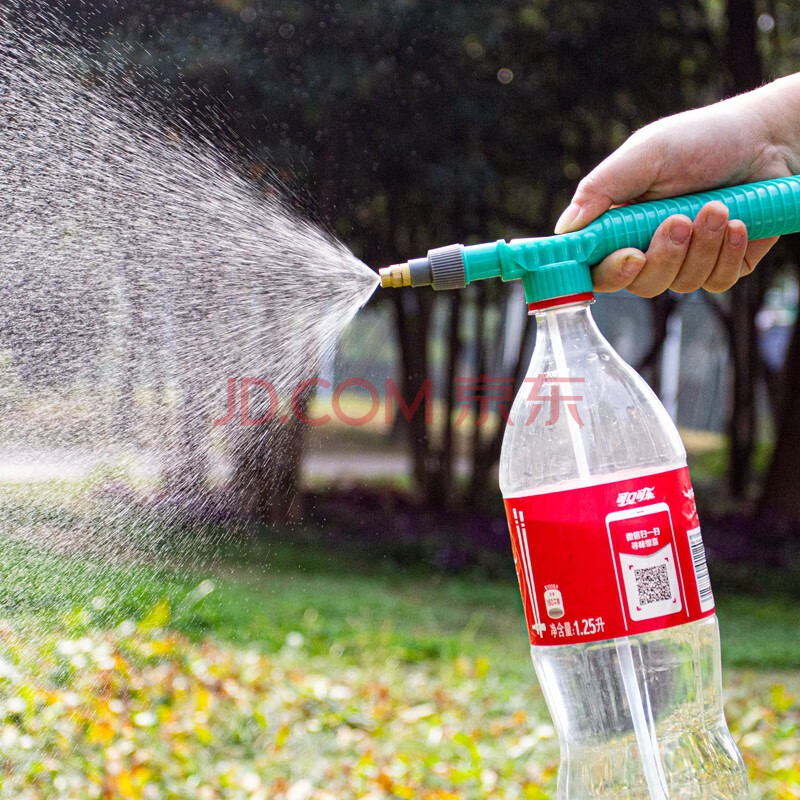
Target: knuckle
717,285
589,185
649,284
647,292
747,266
684,285
601,284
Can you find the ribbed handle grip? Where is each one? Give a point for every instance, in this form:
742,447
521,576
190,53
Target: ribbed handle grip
767,208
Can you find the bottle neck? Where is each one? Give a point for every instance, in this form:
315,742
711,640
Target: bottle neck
565,333
575,320
560,302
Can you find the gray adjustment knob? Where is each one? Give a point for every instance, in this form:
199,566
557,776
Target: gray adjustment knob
447,267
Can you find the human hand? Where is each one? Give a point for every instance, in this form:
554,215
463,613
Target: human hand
732,142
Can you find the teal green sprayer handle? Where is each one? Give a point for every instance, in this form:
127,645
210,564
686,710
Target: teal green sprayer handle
558,266
767,208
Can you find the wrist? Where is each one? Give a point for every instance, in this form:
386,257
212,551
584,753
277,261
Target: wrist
775,111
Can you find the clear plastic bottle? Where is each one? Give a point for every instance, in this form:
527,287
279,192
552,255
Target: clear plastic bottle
639,717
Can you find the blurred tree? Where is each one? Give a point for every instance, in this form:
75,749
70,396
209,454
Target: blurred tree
746,72
780,498
759,42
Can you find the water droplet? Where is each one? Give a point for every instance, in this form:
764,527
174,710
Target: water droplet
505,75
765,22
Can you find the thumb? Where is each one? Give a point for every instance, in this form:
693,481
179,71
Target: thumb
625,175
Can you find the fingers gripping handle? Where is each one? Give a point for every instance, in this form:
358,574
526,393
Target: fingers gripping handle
767,208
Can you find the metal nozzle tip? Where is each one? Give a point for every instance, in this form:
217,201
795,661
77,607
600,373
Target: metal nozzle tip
395,276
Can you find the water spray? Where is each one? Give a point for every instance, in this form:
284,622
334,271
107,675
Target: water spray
554,267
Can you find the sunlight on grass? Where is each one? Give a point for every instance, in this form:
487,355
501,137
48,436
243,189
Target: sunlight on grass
139,712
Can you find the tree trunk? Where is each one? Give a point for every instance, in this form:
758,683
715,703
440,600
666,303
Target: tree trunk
413,314
746,300
449,453
267,472
741,53
780,495
745,69
479,470
661,307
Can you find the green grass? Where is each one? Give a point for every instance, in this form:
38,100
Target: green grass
432,674
357,606
759,632
433,683
342,595
710,465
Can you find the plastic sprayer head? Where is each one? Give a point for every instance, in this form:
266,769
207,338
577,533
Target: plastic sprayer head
553,267
395,277
442,268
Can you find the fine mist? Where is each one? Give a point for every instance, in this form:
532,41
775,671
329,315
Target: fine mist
141,272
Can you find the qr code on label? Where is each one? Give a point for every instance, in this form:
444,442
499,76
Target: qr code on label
652,584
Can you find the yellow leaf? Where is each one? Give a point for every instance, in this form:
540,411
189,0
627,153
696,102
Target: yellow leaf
781,699
161,647
203,699
203,734
142,775
530,791
125,785
157,617
101,733
281,736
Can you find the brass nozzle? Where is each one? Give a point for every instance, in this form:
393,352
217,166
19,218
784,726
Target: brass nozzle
395,276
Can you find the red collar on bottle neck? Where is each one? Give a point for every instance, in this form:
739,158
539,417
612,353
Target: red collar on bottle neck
566,300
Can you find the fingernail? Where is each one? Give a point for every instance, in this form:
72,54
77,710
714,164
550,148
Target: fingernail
735,238
716,219
679,231
631,266
568,218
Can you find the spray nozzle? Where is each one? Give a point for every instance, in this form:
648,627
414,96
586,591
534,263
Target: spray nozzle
395,276
555,267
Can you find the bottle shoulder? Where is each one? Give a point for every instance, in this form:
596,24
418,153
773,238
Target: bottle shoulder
583,415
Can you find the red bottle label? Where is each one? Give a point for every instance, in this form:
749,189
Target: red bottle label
610,560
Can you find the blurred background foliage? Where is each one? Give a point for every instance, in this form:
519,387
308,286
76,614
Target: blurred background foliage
402,125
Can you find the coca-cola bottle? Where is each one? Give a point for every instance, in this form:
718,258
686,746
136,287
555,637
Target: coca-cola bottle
613,574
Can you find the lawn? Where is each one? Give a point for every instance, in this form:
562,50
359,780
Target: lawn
256,592
284,667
